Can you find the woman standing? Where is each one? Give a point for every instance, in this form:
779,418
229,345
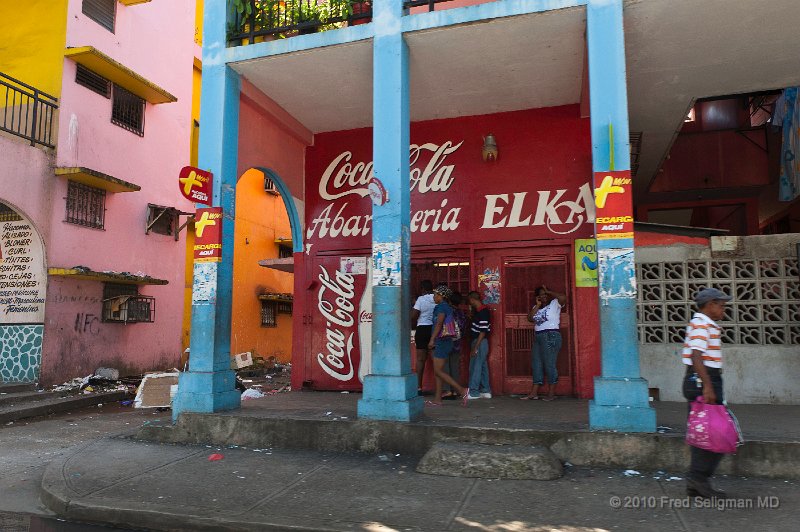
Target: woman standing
546,317
442,346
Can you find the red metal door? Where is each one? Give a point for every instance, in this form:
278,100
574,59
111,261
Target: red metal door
512,336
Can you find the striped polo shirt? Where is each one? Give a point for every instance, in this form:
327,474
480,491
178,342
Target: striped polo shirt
704,335
481,322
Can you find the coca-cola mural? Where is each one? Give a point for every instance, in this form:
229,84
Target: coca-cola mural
538,188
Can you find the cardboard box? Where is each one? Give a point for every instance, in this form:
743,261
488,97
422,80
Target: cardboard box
242,360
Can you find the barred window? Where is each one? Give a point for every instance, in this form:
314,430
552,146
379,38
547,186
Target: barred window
268,314
7,214
123,304
127,111
285,307
101,11
92,81
86,205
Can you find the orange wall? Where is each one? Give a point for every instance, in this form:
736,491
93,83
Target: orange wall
260,219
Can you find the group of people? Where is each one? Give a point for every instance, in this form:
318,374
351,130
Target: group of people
441,327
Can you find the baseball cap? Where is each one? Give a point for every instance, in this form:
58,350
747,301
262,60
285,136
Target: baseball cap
443,291
710,294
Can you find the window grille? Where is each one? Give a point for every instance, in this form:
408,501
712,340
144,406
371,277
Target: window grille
161,220
765,309
269,187
123,304
127,111
86,205
101,11
7,214
284,307
94,82
285,252
268,314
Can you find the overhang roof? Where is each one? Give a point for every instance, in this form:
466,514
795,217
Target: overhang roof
96,179
84,273
504,64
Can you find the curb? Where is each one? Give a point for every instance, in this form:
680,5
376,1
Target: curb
60,404
649,452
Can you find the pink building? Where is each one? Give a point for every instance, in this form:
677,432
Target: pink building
90,211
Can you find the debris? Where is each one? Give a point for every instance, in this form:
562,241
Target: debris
252,393
129,402
88,389
328,413
215,457
107,373
242,360
674,478
156,390
345,391
631,473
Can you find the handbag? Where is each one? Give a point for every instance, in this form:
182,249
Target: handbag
450,328
713,428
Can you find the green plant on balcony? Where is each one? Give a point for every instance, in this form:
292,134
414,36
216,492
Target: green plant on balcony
313,15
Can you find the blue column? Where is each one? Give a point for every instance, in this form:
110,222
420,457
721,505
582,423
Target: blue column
620,394
390,392
209,385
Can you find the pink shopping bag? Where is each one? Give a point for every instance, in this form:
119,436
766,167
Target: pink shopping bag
713,428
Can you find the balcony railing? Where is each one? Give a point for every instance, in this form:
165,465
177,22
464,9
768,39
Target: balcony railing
264,20
27,112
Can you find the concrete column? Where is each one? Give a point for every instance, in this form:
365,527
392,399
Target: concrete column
209,385
620,394
390,391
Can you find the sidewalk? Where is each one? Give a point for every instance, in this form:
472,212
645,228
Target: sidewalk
175,487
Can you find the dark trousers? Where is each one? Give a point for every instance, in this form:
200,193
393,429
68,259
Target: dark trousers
703,463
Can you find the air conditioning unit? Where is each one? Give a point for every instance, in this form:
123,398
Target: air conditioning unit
269,187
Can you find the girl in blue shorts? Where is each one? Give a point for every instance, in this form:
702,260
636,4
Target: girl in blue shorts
442,346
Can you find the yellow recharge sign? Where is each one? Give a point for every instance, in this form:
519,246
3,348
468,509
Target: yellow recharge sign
586,262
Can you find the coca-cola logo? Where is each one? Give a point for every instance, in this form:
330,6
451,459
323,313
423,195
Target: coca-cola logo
365,317
342,178
337,309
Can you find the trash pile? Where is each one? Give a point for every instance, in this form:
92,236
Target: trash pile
261,377
102,380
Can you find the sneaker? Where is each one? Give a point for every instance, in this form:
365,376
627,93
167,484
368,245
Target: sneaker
486,395
474,397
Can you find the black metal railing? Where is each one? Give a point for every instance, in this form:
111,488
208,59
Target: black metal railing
257,20
27,112
129,309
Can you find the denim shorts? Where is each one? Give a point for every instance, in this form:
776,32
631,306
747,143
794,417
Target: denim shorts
442,348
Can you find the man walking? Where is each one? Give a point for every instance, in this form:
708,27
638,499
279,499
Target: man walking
702,355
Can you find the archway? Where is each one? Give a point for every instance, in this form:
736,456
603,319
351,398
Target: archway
23,286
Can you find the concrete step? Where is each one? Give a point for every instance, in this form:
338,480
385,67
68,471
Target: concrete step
475,460
17,398
644,452
14,387
56,403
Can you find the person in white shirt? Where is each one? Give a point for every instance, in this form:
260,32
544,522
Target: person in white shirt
546,317
702,356
422,322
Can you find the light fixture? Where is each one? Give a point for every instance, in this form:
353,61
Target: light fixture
489,148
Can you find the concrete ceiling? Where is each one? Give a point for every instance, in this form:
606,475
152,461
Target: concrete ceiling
505,64
681,50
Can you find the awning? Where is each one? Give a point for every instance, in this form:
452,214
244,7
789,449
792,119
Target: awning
283,265
133,2
96,179
83,273
101,64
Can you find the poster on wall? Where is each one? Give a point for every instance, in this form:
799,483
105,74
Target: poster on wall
614,206
208,235
586,262
489,282
386,264
23,278
353,265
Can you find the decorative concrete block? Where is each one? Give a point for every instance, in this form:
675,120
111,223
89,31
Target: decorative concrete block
520,462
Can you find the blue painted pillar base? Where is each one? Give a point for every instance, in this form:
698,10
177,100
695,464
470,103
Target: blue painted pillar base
205,391
390,398
621,404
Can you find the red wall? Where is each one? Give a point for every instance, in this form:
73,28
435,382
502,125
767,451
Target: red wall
536,195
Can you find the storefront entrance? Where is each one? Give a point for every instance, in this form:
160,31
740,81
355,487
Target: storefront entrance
508,279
